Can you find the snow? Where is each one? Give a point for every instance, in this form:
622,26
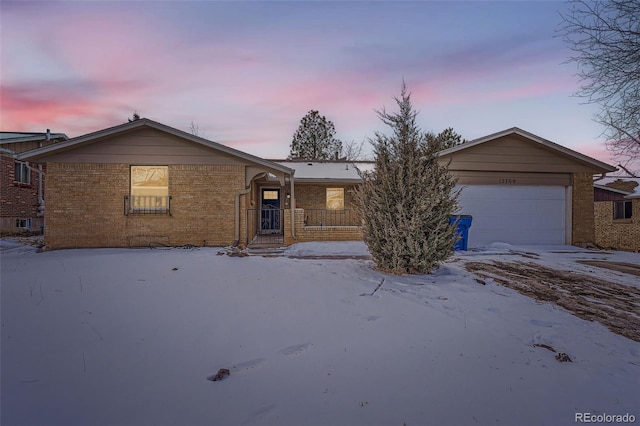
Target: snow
633,194
329,171
129,337
338,248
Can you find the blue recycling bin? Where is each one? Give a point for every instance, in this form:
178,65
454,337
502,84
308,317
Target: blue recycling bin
462,229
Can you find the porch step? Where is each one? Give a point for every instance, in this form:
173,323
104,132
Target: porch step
268,250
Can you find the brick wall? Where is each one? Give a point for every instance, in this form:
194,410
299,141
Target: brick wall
85,207
583,227
314,196
317,233
17,200
618,234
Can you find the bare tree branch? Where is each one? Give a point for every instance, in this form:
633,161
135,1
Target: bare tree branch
605,39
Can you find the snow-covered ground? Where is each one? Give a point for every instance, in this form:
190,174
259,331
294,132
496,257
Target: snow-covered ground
129,337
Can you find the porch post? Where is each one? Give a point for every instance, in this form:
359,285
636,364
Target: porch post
292,207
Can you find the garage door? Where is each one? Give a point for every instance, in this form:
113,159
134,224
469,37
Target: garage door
514,214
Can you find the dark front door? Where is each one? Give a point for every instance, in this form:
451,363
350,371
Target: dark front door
270,217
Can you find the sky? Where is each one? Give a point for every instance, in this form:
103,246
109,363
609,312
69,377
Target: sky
245,73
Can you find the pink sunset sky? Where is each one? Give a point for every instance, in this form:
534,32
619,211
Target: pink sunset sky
247,72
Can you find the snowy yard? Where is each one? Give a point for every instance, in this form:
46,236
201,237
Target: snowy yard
129,337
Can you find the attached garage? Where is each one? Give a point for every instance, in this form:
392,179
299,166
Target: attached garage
523,189
515,214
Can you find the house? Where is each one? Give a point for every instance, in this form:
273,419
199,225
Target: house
617,213
519,189
22,187
523,189
144,183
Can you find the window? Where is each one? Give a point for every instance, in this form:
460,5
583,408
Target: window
335,198
270,194
22,173
622,209
23,223
149,189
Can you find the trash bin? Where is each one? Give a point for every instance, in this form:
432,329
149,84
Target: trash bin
462,229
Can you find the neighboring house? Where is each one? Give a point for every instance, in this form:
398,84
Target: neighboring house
22,186
145,183
617,213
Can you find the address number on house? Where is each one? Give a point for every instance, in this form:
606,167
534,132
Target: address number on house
506,180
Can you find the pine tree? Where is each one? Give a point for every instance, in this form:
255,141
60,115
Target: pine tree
448,138
406,201
315,139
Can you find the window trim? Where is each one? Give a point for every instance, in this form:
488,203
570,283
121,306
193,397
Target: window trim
162,203
620,213
27,223
18,176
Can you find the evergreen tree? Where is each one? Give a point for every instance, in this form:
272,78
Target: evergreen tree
448,138
406,201
315,139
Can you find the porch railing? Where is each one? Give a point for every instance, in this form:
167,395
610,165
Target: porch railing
327,217
147,205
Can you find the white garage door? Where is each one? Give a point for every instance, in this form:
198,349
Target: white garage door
514,214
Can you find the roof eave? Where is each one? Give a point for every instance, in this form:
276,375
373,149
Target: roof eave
38,138
604,167
328,180
617,191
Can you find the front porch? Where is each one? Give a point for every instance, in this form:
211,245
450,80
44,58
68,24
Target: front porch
268,226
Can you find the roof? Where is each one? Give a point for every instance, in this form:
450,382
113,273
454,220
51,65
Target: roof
327,171
604,167
16,137
602,184
36,154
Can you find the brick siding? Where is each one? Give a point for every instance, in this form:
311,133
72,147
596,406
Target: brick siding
17,200
617,234
317,233
314,196
86,207
583,226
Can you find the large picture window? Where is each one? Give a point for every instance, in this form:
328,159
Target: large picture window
335,198
622,209
149,189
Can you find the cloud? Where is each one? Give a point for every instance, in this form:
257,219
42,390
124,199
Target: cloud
247,72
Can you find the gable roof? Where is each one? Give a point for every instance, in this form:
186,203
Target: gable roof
36,154
597,164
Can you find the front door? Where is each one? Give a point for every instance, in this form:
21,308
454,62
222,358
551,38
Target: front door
270,218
